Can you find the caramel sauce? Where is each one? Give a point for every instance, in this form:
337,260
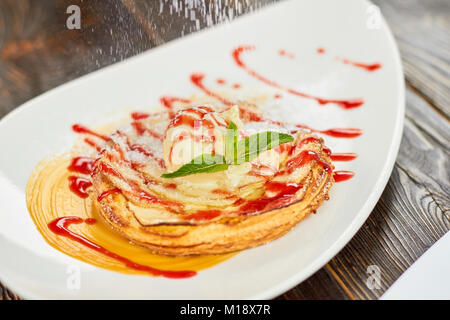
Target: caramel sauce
49,198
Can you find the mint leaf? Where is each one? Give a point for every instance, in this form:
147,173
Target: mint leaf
250,147
201,164
231,139
236,152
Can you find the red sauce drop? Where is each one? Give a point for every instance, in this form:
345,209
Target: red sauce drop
277,96
79,185
236,86
320,50
342,132
90,221
139,127
221,192
106,193
221,81
285,196
343,156
78,128
60,226
284,53
170,186
340,176
367,66
81,165
203,215
139,115
237,55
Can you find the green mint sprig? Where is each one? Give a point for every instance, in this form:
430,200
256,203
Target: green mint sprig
236,152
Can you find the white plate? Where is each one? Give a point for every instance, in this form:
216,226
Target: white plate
41,127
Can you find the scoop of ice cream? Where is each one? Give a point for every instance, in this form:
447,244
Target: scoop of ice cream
196,131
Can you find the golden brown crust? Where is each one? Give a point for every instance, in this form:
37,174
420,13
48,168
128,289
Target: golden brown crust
218,236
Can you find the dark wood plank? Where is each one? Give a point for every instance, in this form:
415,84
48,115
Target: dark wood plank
38,52
414,210
6,294
421,29
412,214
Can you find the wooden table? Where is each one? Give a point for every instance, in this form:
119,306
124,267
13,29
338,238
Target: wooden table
37,53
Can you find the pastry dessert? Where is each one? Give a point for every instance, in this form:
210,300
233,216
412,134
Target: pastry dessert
209,181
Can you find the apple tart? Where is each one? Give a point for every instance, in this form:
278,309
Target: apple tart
209,181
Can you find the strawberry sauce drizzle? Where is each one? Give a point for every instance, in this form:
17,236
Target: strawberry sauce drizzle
141,129
252,116
366,66
107,193
341,175
78,185
284,53
203,215
349,156
141,149
168,102
195,118
93,144
60,226
285,196
81,165
78,128
303,158
197,80
237,55
333,132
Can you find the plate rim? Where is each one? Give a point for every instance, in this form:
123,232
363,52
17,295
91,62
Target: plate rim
357,222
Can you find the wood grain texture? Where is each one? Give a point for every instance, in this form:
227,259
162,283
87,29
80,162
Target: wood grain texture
38,53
